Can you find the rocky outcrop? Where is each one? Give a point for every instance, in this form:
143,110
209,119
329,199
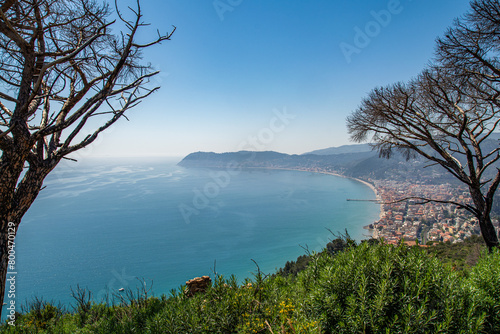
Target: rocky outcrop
197,284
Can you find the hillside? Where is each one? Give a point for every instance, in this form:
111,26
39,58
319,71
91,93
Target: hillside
365,164
366,288
271,159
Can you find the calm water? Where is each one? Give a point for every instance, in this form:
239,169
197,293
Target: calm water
101,223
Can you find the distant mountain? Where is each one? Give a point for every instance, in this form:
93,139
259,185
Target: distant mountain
350,160
241,158
356,148
270,159
488,145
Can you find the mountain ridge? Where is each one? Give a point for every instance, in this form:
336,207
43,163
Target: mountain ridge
353,148
357,160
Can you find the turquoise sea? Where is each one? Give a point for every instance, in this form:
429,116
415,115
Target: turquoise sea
101,223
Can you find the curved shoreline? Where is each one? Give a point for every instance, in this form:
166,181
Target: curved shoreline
371,186
368,184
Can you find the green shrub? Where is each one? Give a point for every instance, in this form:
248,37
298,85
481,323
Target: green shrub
484,280
378,288
370,288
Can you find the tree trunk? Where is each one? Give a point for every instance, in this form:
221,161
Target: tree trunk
15,203
11,167
488,232
483,216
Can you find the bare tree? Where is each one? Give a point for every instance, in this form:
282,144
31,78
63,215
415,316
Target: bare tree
448,112
471,47
60,67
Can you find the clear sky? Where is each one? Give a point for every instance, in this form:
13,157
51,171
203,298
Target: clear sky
278,75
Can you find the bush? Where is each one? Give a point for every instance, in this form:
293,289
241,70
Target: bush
369,288
485,281
378,288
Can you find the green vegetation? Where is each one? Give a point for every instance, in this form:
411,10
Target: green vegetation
459,256
348,288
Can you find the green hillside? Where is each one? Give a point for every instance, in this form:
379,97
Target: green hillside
347,288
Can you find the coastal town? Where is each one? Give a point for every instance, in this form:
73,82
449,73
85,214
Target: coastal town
405,216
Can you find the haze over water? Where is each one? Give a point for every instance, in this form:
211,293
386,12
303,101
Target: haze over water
101,223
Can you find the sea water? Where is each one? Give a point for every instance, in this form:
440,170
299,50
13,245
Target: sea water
106,224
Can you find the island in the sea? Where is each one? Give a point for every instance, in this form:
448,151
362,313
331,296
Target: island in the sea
392,180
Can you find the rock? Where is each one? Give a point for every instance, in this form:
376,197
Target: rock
197,284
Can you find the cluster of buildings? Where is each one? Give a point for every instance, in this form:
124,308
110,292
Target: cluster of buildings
406,215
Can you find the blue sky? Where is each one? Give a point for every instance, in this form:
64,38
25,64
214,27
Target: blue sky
271,75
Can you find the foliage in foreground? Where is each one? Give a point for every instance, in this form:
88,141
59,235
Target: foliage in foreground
363,289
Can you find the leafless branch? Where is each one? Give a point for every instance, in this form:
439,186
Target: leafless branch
60,65
449,112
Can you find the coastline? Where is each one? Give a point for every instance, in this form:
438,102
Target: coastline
368,184
371,186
